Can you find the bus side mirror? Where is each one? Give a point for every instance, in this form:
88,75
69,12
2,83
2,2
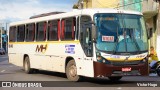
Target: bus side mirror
94,36
149,33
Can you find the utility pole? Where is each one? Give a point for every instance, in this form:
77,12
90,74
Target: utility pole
1,34
6,37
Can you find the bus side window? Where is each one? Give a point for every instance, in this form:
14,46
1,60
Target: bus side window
30,32
12,34
41,31
83,21
68,29
21,33
53,30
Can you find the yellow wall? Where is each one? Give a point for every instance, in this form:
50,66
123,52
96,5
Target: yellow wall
100,3
105,3
87,4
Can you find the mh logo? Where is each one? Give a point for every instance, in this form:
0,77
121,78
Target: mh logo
41,48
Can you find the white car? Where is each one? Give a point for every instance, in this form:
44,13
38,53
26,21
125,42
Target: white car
2,51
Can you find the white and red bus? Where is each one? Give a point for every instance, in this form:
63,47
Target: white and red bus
90,42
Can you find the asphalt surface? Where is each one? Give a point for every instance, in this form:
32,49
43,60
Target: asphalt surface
54,80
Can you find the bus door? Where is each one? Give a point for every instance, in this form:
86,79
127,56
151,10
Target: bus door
86,42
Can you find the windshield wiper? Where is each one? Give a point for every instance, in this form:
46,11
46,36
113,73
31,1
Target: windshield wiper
137,46
115,48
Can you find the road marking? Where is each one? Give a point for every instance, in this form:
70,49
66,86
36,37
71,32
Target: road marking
3,70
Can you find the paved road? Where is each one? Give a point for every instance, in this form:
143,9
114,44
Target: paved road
9,72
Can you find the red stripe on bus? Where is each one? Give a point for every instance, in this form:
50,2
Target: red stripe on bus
63,29
59,27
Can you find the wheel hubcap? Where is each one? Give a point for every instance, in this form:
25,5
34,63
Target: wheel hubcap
73,71
26,66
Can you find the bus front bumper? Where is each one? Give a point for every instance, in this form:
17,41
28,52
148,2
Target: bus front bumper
105,70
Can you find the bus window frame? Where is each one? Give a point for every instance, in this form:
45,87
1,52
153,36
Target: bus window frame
27,34
44,29
24,26
73,28
49,27
15,34
77,28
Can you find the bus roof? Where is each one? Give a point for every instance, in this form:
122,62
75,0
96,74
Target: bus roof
75,12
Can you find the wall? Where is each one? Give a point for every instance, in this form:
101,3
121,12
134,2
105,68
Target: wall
98,3
105,3
135,5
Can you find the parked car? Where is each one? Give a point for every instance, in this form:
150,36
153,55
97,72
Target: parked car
2,51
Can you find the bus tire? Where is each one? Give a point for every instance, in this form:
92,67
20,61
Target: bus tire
71,71
27,68
158,70
116,78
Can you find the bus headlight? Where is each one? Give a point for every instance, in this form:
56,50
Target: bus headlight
99,57
144,60
102,60
105,61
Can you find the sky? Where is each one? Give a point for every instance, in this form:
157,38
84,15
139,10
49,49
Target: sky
16,10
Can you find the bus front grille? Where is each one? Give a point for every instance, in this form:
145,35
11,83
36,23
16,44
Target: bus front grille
118,63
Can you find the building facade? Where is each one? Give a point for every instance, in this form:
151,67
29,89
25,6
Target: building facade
97,3
149,8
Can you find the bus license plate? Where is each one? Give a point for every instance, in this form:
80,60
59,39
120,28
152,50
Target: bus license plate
126,69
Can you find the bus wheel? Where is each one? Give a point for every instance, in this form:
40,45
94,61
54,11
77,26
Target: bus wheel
27,68
116,78
71,71
158,71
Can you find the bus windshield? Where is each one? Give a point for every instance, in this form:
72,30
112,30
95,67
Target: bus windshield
121,33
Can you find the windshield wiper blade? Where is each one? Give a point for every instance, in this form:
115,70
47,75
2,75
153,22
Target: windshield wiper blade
115,48
135,41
